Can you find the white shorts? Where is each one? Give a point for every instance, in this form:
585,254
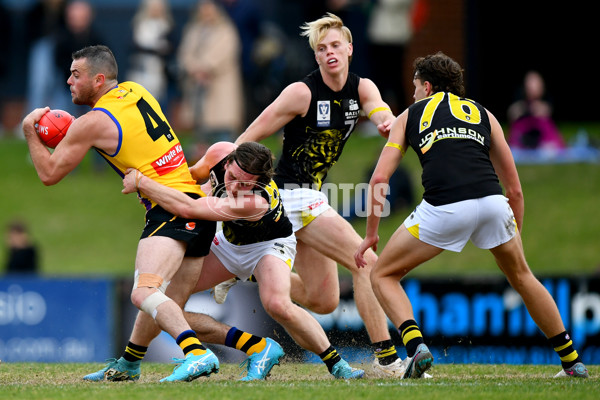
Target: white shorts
488,222
241,260
303,205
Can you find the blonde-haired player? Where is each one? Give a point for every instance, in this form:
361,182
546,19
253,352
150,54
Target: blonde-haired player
318,115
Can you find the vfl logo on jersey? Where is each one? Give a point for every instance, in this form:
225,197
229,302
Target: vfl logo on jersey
170,161
323,113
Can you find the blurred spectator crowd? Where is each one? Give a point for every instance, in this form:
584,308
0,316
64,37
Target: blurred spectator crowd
213,64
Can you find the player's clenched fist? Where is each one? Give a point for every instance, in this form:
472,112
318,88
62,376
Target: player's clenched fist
131,181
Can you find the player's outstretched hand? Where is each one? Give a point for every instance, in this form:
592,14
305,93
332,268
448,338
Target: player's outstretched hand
385,127
359,256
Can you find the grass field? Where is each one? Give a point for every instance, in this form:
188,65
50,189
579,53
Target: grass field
85,226
298,381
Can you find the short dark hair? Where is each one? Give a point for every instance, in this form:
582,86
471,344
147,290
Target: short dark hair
101,60
444,74
256,159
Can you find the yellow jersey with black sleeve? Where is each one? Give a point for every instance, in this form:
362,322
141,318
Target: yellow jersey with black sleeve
146,140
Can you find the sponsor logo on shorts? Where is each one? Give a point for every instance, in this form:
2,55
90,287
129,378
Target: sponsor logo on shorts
216,241
346,198
190,226
315,205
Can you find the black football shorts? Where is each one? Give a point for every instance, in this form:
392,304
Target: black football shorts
198,234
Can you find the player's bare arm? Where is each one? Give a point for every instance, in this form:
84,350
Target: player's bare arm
505,167
215,153
37,149
244,206
292,101
377,110
94,129
390,157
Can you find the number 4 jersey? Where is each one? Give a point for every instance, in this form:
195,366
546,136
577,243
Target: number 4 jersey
146,140
451,136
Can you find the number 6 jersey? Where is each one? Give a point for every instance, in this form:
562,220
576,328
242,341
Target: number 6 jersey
451,136
146,140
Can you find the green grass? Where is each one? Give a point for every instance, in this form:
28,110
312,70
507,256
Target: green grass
298,381
85,226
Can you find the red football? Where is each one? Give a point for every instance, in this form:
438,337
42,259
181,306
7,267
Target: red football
53,127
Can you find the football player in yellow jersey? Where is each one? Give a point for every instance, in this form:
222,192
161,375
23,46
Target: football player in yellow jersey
257,239
128,128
